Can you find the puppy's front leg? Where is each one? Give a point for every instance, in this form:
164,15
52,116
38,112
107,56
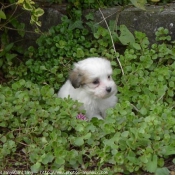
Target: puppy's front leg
97,116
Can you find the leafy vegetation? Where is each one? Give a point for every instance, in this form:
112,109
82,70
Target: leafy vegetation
59,48
41,132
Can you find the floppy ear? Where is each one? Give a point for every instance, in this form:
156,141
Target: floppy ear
76,78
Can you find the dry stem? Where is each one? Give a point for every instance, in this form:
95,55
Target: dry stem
112,41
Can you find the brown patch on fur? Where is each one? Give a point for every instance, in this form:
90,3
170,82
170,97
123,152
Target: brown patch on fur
78,78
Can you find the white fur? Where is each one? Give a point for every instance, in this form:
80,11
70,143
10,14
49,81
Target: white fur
88,83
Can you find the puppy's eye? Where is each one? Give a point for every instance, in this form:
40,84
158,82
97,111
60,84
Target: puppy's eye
96,81
109,76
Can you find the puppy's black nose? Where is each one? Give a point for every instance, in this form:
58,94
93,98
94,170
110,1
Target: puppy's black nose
108,89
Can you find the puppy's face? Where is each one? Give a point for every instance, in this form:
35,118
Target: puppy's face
94,75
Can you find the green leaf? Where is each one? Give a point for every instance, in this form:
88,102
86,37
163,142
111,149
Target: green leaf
170,92
151,166
136,46
90,16
79,141
9,47
20,2
96,35
87,136
162,171
2,15
48,158
143,111
10,56
3,139
144,158
126,36
139,3
76,25
125,134
80,53
61,44
36,167
79,127
60,160
43,67
21,30
171,84
38,12
168,150
27,5
47,91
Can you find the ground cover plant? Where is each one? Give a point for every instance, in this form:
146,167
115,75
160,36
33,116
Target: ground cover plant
39,131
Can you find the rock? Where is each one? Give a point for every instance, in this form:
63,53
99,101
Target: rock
135,19
145,21
51,17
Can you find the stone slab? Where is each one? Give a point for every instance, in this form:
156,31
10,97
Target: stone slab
145,21
135,19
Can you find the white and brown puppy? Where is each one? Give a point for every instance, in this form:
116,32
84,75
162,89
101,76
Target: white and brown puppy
90,82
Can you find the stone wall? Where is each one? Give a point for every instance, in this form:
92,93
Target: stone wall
145,21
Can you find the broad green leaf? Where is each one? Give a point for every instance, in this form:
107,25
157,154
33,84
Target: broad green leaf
22,32
36,167
143,111
10,56
126,36
43,67
47,91
171,84
168,150
136,46
162,171
139,3
59,160
170,93
79,141
144,158
90,16
9,47
80,53
76,25
87,136
151,166
48,158
125,134
2,15
96,35
79,127
3,139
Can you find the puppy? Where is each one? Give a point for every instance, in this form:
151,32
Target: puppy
90,82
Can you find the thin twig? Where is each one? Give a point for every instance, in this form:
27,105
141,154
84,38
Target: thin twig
112,40
135,107
107,17
160,97
8,20
21,30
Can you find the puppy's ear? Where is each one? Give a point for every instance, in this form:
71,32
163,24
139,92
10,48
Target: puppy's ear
76,78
